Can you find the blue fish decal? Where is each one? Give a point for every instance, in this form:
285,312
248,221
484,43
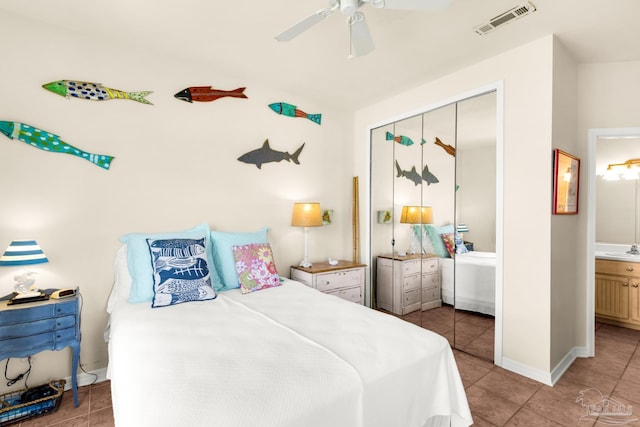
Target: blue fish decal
49,142
293,111
400,139
265,154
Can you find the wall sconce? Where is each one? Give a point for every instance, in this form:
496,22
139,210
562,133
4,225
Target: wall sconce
626,170
416,215
306,215
21,253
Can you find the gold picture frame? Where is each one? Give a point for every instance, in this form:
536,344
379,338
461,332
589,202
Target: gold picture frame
566,183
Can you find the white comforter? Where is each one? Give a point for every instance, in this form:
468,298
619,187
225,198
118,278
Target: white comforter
475,281
286,356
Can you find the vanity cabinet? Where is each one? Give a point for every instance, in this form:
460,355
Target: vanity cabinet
408,283
618,293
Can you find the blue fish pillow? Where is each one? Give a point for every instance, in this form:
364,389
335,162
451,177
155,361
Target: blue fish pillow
180,271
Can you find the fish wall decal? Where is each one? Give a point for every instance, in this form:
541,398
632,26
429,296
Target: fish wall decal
446,147
400,139
49,142
93,91
293,111
208,94
265,154
411,175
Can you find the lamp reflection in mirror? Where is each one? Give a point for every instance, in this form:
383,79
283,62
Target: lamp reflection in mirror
306,215
627,170
416,215
22,253
461,229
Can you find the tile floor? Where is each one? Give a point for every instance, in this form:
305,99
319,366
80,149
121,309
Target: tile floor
497,397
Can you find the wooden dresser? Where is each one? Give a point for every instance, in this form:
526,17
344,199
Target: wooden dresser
345,280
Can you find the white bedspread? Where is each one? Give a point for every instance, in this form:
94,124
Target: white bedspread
475,281
286,356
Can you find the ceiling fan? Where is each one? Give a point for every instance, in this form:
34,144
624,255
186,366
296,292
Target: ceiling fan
361,41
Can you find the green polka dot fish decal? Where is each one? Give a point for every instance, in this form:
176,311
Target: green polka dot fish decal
49,142
93,91
292,111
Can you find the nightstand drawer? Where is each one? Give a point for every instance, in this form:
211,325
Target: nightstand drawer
45,341
338,279
411,267
411,297
430,279
350,294
411,282
429,265
430,294
37,327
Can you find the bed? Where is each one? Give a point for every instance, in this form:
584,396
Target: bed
284,356
475,281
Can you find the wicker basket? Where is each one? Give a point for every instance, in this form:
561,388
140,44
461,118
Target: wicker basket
14,409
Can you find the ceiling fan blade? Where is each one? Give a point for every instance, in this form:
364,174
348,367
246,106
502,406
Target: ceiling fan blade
411,4
361,41
304,25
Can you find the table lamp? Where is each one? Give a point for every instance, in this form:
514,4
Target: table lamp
306,215
416,215
462,228
22,253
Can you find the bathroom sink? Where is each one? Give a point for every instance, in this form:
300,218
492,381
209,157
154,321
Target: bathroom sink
622,254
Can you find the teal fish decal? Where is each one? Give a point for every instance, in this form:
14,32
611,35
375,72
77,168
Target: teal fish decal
93,91
293,111
400,139
49,142
265,154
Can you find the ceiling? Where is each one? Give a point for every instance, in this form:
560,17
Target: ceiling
237,38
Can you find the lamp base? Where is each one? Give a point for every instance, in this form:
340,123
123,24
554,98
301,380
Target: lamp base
305,263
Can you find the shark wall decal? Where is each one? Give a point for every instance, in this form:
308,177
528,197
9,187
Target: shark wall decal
265,154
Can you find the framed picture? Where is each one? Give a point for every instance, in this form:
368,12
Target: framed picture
566,180
385,217
327,216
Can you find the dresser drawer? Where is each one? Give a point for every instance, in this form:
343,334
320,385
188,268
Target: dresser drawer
411,267
417,266
46,311
429,265
350,294
339,279
411,282
44,341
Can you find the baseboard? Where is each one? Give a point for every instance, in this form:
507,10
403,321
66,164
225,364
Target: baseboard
547,378
87,378
527,371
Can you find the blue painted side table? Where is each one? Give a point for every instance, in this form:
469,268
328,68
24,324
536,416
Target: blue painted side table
27,329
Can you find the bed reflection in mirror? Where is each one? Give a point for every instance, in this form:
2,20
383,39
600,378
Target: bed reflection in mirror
436,269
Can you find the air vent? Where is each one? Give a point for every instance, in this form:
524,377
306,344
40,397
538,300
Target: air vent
506,17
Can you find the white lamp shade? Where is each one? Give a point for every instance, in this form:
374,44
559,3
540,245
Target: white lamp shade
462,228
23,252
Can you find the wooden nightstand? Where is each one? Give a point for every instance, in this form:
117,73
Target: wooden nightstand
29,328
345,280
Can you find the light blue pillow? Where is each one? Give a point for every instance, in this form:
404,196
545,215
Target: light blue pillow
180,271
436,240
223,244
139,260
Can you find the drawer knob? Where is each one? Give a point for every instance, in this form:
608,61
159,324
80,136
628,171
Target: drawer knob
625,284
635,285
629,268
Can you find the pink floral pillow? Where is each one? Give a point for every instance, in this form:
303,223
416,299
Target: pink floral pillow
449,243
255,267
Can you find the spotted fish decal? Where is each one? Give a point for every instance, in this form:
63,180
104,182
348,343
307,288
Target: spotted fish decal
49,142
93,91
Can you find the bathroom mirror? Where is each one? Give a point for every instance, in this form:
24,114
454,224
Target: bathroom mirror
617,201
442,161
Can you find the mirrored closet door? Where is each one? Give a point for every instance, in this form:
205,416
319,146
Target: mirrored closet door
432,180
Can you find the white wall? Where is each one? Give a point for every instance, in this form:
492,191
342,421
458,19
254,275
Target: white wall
175,167
565,228
527,76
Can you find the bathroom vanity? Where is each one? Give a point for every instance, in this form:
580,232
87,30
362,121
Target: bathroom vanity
618,288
